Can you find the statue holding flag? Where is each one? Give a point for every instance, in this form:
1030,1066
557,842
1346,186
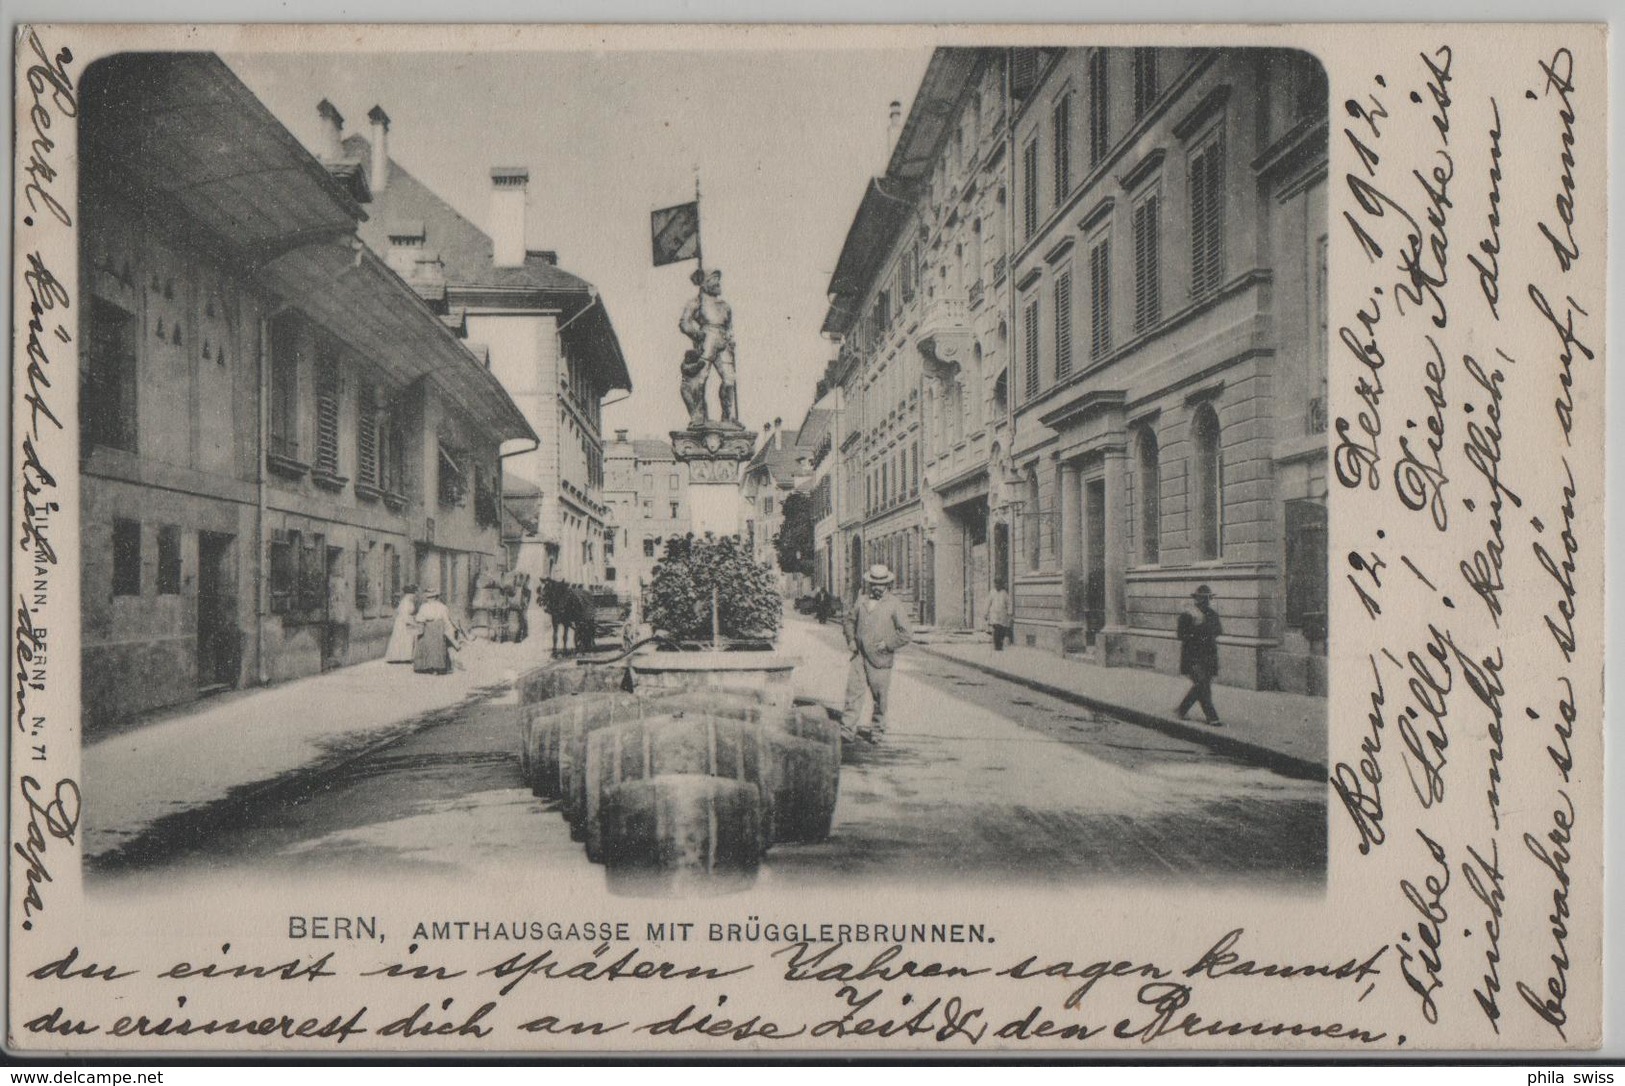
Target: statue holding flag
707,320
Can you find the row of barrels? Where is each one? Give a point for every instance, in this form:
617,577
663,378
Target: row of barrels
677,792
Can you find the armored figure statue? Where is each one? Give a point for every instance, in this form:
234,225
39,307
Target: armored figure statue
707,320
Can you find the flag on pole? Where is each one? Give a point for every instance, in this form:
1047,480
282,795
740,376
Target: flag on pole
676,232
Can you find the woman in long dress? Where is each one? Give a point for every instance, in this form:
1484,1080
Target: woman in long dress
435,637
403,638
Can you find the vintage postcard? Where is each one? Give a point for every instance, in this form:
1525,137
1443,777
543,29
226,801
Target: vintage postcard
1069,540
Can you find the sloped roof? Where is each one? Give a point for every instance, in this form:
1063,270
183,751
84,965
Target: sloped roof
407,205
781,463
180,135
652,449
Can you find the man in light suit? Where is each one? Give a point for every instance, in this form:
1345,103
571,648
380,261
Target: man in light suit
875,629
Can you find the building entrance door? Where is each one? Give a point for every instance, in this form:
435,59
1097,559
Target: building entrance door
1094,591
218,651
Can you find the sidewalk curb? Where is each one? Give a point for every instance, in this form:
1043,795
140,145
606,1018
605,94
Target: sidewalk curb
242,797
1286,764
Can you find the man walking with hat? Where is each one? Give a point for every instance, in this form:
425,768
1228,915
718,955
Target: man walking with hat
875,629
1199,654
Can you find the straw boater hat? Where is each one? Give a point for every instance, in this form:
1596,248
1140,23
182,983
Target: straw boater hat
431,595
878,574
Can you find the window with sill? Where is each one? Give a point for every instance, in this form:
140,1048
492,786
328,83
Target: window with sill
1145,81
1100,298
451,486
1207,216
1063,324
328,391
1030,349
1029,190
1099,108
1149,465
1147,227
107,394
1061,149
284,407
1208,483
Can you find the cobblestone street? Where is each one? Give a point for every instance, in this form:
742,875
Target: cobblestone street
978,778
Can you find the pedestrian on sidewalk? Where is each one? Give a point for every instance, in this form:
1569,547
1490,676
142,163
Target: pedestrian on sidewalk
404,635
999,615
875,629
1199,631
438,637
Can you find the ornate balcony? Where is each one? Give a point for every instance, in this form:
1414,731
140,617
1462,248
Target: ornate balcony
945,336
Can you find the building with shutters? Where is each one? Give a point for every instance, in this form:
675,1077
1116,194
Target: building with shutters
646,490
545,333
1082,319
1169,299
277,434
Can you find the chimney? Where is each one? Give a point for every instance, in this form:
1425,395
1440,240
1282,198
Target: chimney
894,128
507,225
332,148
380,148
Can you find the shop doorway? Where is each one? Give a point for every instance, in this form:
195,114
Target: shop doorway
218,644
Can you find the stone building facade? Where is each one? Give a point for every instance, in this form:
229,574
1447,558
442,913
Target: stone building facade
1090,291
646,490
276,435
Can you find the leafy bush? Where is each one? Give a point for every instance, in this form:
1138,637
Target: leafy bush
679,596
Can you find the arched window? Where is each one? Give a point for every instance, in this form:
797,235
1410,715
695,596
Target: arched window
1150,472
1032,519
1208,483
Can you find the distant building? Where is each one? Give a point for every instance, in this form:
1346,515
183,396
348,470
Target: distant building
277,436
1103,271
769,478
646,490
544,332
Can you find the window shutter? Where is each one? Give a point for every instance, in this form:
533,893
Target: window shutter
1145,80
1099,107
1147,274
1207,219
1100,300
327,422
366,451
1031,359
1023,72
1029,190
1062,154
1063,325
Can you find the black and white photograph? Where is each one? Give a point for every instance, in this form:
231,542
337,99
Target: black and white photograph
930,488
665,540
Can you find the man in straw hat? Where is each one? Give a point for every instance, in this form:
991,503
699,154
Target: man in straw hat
1199,631
875,629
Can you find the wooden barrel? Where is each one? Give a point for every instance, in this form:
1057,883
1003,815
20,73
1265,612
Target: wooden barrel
557,680
681,835
674,735
804,775
541,730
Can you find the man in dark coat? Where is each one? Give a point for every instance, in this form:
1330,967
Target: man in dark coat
1199,654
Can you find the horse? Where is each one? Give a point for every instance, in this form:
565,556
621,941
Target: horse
571,608
558,600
